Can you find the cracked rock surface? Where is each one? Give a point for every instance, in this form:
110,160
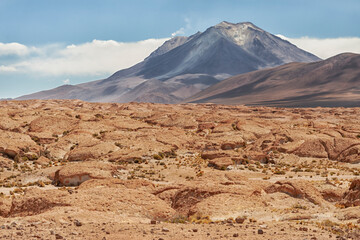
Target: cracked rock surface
76,170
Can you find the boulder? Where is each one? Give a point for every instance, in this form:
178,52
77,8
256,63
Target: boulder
214,154
5,162
43,161
332,195
223,205
350,155
221,163
223,128
107,196
76,173
14,144
127,156
5,206
36,201
349,213
91,152
138,184
312,148
206,126
55,124
253,130
44,137
173,120
297,189
352,196
232,145
121,199
187,197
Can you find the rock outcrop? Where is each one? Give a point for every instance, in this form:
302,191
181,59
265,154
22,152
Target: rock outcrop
221,163
75,174
297,189
352,196
133,170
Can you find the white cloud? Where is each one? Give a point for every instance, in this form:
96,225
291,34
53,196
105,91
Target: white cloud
183,29
7,69
88,59
180,31
326,47
14,49
101,58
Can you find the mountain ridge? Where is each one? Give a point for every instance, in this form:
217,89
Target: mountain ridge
221,51
331,82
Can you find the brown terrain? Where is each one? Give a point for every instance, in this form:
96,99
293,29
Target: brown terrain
334,82
76,170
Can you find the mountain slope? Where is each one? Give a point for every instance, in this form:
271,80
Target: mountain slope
244,46
221,51
332,82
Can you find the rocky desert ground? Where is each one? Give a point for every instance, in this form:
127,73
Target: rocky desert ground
77,170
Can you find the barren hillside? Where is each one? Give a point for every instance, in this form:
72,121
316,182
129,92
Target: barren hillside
333,82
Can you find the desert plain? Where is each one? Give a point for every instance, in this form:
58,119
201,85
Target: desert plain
77,170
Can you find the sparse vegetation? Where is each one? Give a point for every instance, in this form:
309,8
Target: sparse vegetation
167,163
179,219
299,206
66,132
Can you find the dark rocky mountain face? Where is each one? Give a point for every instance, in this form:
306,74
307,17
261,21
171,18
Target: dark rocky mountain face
174,69
333,82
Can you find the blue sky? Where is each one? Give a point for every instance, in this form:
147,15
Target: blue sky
42,40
